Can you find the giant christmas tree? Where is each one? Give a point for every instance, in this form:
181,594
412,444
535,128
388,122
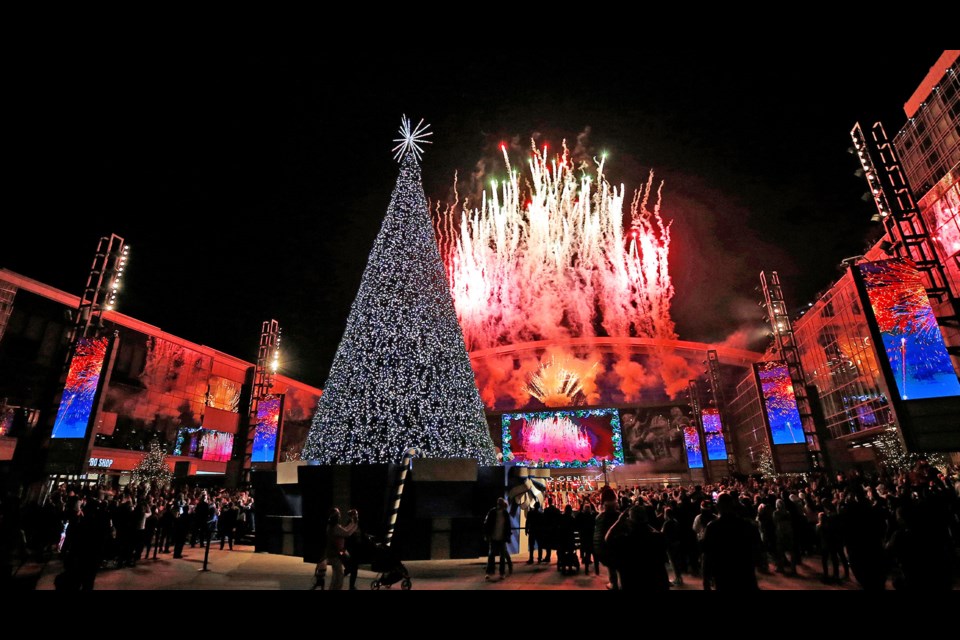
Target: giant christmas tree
401,376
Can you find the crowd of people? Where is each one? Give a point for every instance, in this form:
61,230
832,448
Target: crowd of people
901,530
97,527
904,528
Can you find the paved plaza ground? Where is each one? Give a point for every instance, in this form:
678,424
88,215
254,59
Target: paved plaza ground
244,569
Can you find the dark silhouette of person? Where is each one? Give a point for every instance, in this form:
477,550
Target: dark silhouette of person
549,530
673,537
639,552
357,549
496,529
534,526
768,535
166,528
865,527
566,553
586,521
731,547
830,536
921,552
84,546
605,521
180,528
227,523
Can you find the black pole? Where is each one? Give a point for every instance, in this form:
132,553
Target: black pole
206,551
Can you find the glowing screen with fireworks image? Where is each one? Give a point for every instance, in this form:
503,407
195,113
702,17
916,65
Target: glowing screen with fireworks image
713,433
573,438
780,401
83,378
691,443
911,337
268,423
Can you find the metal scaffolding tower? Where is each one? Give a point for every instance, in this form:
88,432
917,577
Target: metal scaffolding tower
786,346
268,356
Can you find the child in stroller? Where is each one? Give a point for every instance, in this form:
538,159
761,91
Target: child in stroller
386,562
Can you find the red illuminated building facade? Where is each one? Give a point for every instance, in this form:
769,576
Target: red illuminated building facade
855,375
192,399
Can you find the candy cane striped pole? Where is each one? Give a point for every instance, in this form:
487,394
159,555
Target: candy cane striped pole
406,463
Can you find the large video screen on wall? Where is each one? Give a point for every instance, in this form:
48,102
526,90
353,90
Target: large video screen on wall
558,439
691,444
912,340
713,434
83,379
778,397
269,410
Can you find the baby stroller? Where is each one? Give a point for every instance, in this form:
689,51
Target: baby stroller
387,563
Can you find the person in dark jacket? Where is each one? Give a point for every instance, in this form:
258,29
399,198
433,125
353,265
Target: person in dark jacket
673,537
639,552
534,526
180,528
830,537
922,553
150,530
496,529
356,554
768,536
864,529
731,546
566,542
783,522
83,547
227,523
586,521
607,518
166,528
549,530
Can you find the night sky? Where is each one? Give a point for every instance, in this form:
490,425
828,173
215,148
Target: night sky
253,188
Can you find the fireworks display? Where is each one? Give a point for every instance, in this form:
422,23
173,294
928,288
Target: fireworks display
556,262
548,256
217,446
576,438
713,434
691,443
83,378
556,438
268,423
559,383
780,401
911,337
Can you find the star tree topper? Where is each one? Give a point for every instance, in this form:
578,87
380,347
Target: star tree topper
410,139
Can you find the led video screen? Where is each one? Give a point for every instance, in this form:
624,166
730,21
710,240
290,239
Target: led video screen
691,443
558,439
206,444
80,390
713,434
268,423
911,337
780,401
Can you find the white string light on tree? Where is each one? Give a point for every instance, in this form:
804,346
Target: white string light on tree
401,376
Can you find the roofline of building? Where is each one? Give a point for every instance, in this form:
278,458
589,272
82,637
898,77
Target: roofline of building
123,320
932,79
727,355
